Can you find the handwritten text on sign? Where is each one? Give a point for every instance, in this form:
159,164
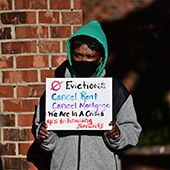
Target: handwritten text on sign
78,103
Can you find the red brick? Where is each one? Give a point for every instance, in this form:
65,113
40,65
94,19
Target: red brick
60,31
22,91
60,4
64,46
18,135
47,74
77,4
7,149
30,4
6,91
72,17
5,33
20,76
7,120
35,61
18,18
19,47
17,164
6,62
30,17
25,119
20,105
6,5
33,166
49,46
23,148
58,60
30,90
49,17
32,32
75,28
35,90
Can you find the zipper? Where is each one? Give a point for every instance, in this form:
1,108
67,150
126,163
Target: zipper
79,151
116,163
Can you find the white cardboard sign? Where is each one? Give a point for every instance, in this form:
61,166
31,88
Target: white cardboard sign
78,103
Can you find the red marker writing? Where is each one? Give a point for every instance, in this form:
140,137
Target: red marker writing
56,85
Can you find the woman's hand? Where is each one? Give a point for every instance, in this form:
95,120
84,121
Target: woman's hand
114,132
43,132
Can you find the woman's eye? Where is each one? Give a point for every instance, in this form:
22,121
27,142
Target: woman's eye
77,55
90,57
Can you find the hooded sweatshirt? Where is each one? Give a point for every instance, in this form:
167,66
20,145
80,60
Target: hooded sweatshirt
91,150
94,30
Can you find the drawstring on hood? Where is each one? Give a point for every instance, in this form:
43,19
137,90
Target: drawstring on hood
92,29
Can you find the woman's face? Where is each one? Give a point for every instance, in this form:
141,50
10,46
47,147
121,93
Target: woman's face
84,53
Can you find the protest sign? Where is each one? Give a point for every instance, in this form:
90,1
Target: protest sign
78,103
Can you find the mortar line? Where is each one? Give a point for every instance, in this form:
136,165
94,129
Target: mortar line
72,4
13,4
2,134
15,92
13,32
60,17
16,120
48,4
34,10
37,16
36,24
49,61
39,75
16,148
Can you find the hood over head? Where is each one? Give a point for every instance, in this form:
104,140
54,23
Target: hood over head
92,29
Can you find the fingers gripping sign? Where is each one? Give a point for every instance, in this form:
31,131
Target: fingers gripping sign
114,132
43,132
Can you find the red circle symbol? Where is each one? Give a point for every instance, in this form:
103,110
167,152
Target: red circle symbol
56,85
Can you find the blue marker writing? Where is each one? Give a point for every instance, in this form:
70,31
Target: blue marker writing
85,97
55,97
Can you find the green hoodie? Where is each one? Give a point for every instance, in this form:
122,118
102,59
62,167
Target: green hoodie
94,30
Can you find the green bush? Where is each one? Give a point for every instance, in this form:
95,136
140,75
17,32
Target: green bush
157,136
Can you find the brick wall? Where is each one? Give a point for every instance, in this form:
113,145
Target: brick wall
33,35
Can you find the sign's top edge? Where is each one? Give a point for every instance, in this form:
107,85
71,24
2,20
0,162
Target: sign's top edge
88,78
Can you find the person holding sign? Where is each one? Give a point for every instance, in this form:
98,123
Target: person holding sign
89,150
